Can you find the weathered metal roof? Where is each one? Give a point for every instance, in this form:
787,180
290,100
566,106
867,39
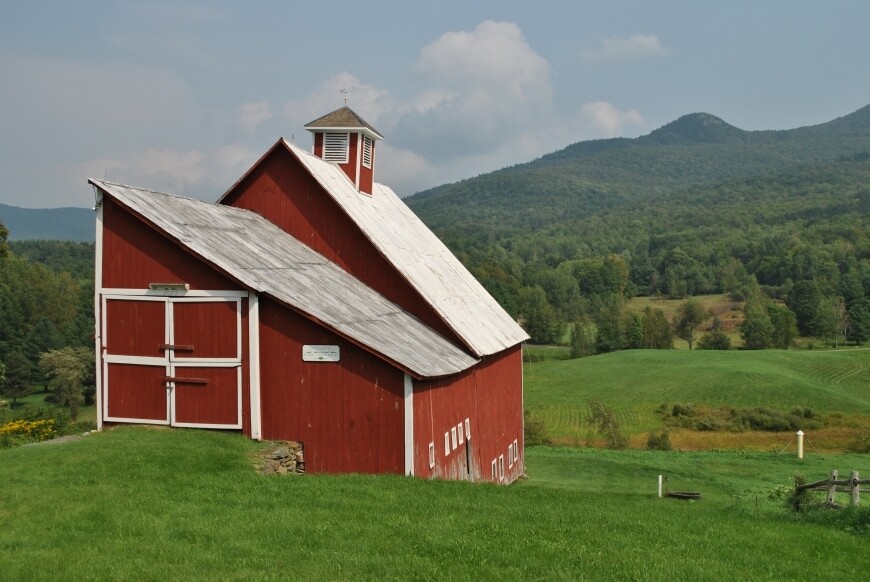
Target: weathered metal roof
342,118
267,260
421,258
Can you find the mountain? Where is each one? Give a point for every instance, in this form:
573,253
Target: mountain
696,150
71,224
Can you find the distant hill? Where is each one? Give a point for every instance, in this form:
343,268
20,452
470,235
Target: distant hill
594,176
71,224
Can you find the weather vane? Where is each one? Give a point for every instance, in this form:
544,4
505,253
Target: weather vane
345,92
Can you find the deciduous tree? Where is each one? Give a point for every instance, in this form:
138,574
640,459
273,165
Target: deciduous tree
689,316
68,369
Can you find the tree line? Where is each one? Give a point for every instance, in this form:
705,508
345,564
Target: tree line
46,319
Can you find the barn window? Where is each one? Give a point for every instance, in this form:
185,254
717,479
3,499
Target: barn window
510,455
467,429
453,437
368,147
516,450
431,455
446,443
500,467
494,470
335,147
461,433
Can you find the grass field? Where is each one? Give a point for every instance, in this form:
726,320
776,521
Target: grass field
155,504
634,383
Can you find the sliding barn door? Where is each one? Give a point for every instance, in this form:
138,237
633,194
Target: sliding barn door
173,360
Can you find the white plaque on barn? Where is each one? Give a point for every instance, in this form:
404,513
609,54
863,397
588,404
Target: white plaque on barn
320,353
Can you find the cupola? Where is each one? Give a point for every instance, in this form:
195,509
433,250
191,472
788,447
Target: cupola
346,139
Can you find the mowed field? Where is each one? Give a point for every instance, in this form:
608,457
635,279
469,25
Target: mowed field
634,383
140,503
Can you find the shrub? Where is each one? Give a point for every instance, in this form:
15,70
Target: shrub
859,444
26,431
535,433
603,419
659,441
715,340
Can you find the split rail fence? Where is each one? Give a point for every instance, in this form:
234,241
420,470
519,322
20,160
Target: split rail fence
833,484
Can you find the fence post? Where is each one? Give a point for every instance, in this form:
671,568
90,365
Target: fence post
660,485
832,490
800,436
855,490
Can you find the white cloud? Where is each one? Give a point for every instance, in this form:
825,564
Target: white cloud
607,119
483,87
251,115
615,48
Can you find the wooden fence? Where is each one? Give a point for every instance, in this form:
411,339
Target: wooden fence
832,485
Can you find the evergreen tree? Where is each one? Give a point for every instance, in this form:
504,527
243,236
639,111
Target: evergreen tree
17,384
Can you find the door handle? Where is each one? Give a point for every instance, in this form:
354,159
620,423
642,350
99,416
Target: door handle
181,380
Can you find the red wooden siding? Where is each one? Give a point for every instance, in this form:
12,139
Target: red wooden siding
490,397
216,402
352,151
134,255
209,327
137,392
135,328
281,190
349,413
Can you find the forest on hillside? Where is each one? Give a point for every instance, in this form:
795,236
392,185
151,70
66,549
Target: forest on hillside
46,316
696,207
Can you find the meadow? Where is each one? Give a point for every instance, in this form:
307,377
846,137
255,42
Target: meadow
151,504
635,383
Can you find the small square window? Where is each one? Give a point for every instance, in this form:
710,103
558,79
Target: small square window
494,470
516,450
453,437
467,429
510,455
461,433
500,467
432,455
446,443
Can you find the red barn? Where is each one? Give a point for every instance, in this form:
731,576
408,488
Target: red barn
308,304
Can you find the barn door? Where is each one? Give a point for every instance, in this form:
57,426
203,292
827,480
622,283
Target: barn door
173,360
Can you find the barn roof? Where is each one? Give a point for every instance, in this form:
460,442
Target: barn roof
420,256
264,258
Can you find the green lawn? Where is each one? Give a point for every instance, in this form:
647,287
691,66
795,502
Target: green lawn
143,503
635,382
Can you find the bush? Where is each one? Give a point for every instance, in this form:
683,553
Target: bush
605,423
859,444
715,340
535,433
659,441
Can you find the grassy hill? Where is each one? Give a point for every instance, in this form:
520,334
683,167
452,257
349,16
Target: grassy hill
142,503
833,383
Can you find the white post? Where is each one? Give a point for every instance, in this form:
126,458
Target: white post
660,485
800,436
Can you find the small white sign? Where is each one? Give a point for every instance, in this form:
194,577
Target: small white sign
320,353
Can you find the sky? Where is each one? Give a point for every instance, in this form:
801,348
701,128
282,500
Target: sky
184,96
